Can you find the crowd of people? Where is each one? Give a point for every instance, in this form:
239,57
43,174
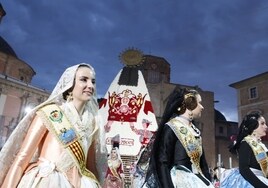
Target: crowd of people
61,143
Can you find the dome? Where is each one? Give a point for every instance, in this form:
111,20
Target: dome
5,48
12,66
219,116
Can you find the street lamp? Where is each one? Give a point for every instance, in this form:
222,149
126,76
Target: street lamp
28,109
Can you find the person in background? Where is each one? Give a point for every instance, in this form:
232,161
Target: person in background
252,155
141,167
216,173
115,173
145,134
57,143
177,158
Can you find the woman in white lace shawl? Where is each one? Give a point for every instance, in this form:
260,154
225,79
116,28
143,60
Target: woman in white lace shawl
57,143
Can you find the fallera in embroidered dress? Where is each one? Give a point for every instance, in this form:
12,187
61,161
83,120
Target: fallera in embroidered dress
114,179
232,178
184,177
58,172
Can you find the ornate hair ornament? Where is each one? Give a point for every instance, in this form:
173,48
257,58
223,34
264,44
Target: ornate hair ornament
186,96
245,128
248,117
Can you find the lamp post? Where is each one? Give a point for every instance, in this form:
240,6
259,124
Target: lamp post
24,100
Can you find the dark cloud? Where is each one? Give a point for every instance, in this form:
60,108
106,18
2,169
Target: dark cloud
208,43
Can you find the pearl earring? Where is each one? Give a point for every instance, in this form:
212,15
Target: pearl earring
70,97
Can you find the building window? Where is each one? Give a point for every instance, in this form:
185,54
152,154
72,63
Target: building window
221,130
153,76
253,94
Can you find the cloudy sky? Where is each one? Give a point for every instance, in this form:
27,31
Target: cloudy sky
209,43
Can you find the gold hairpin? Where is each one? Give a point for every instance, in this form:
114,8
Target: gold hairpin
188,95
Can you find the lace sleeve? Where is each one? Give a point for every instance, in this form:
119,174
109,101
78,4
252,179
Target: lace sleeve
101,150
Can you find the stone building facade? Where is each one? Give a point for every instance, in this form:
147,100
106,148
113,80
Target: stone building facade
252,96
224,130
17,94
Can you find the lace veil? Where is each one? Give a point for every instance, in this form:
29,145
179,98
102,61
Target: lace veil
14,142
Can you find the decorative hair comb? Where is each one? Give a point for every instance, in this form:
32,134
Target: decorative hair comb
188,95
